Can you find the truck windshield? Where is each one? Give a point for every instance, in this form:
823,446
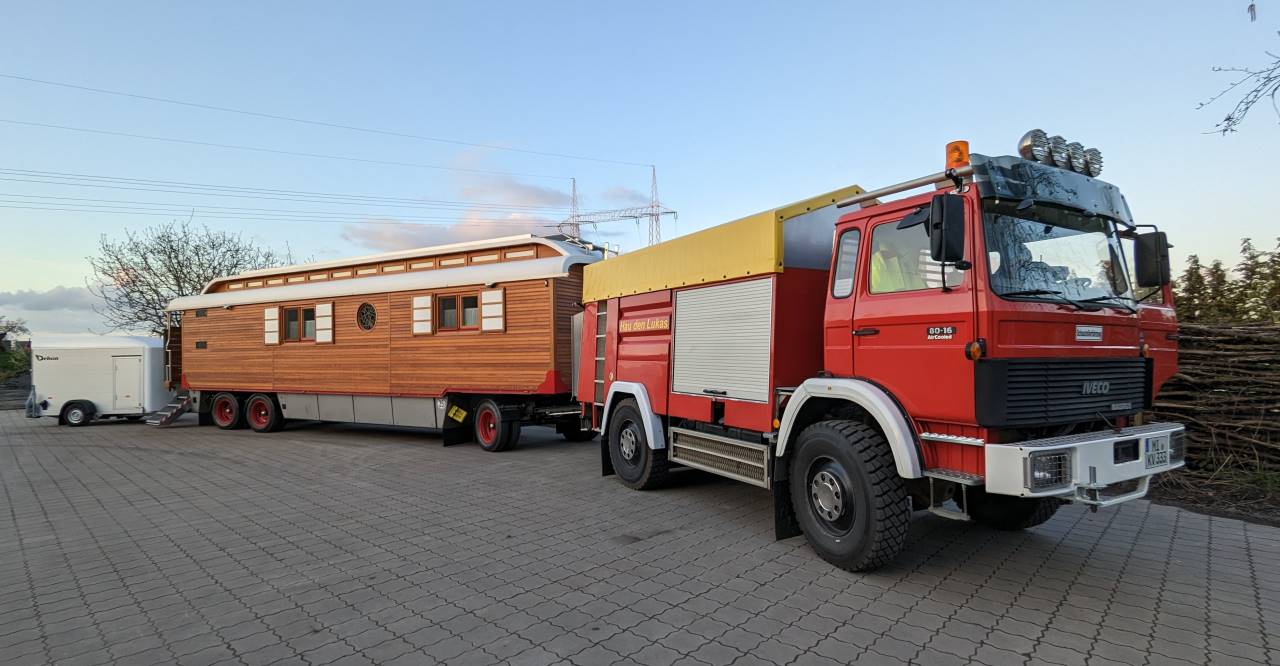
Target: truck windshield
1044,252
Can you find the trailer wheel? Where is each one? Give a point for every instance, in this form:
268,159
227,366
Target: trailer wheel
226,412
493,433
77,413
637,465
1008,513
262,413
848,497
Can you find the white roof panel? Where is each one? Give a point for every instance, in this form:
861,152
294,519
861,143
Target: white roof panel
90,341
440,278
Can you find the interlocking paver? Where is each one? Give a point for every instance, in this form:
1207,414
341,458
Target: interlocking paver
355,546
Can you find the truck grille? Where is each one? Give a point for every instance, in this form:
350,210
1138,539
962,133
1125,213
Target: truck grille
1022,392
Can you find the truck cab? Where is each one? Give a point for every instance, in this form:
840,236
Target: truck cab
978,349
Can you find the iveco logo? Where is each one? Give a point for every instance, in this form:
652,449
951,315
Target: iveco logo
1095,388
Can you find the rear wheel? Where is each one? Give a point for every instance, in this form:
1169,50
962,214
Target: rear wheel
77,413
225,411
847,495
637,465
493,433
262,413
1005,512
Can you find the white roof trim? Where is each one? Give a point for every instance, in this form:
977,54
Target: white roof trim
441,278
562,247
90,341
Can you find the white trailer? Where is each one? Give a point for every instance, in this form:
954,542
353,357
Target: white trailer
78,378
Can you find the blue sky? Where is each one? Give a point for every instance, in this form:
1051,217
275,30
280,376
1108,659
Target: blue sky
741,106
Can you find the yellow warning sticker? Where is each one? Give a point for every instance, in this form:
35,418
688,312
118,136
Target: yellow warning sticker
457,414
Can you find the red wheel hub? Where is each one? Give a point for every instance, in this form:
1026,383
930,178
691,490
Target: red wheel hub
487,425
223,411
259,413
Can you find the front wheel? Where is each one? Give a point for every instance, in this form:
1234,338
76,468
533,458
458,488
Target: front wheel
637,465
225,411
77,413
262,413
848,497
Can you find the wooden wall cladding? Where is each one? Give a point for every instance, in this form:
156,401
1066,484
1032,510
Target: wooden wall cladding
390,359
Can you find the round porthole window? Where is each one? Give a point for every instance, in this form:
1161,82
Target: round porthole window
366,316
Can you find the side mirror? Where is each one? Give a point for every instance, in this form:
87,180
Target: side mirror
946,228
1151,259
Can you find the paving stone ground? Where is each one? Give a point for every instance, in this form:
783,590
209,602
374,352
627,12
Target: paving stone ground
126,544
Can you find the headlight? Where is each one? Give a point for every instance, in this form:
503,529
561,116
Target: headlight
1034,146
1058,151
1075,153
1093,161
1047,470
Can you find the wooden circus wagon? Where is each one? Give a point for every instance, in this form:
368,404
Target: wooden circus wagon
473,339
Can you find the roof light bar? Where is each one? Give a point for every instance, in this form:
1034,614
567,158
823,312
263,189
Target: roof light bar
1038,146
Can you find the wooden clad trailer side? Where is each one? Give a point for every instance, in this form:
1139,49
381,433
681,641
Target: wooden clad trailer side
492,331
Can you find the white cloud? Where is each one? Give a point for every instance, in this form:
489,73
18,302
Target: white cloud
626,195
56,310
57,298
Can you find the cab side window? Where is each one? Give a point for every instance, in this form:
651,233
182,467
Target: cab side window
900,261
846,264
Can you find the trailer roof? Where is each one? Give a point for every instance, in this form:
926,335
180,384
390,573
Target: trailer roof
559,244
90,341
753,245
507,271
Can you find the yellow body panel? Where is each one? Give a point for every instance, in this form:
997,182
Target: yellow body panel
750,246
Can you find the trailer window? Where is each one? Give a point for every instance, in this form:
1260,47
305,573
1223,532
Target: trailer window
448,318
470,311
299,324
846,262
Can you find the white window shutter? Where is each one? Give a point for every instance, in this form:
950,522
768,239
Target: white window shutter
422,322
324,323
271,326
492,311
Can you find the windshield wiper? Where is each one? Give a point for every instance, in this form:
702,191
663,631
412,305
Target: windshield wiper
1111,300
1079,305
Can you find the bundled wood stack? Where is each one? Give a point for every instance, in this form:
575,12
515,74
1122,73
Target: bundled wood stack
1227,392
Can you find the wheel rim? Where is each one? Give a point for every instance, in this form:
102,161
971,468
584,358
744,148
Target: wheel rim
829,496
223,411
259,413
487,426
75,416
629,443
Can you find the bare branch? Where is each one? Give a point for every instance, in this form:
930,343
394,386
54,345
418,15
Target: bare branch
1258,84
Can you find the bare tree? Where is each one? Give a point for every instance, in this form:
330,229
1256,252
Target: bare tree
13,327
1252,84
138,275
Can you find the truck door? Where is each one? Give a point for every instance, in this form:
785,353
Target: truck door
126,373
1159,328
909,333
837,326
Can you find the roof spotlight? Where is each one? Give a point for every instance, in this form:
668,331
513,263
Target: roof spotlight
1034,145
1075,152
1093,161
1058,152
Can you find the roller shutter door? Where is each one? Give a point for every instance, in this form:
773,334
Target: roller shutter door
722,338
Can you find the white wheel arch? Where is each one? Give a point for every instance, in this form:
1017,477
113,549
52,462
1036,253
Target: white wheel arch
653,429
868,396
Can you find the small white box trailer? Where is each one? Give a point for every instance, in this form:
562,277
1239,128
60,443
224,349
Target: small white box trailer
79,378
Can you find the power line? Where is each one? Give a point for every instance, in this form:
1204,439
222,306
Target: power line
248,218
230,191
274,151
318,123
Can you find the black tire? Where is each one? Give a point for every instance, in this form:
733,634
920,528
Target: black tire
77,413
637,466
848,498
262,413
492,432
1008,513
226,411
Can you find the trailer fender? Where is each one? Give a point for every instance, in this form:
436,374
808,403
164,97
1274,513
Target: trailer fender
878,403
653,429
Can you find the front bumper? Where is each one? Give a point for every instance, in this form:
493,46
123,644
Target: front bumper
1095,468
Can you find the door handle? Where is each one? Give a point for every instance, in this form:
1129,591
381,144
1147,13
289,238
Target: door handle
866,331
715,392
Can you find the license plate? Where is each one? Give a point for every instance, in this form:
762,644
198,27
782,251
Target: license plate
1157,451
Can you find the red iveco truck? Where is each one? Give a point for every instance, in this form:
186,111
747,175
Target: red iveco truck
980,349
